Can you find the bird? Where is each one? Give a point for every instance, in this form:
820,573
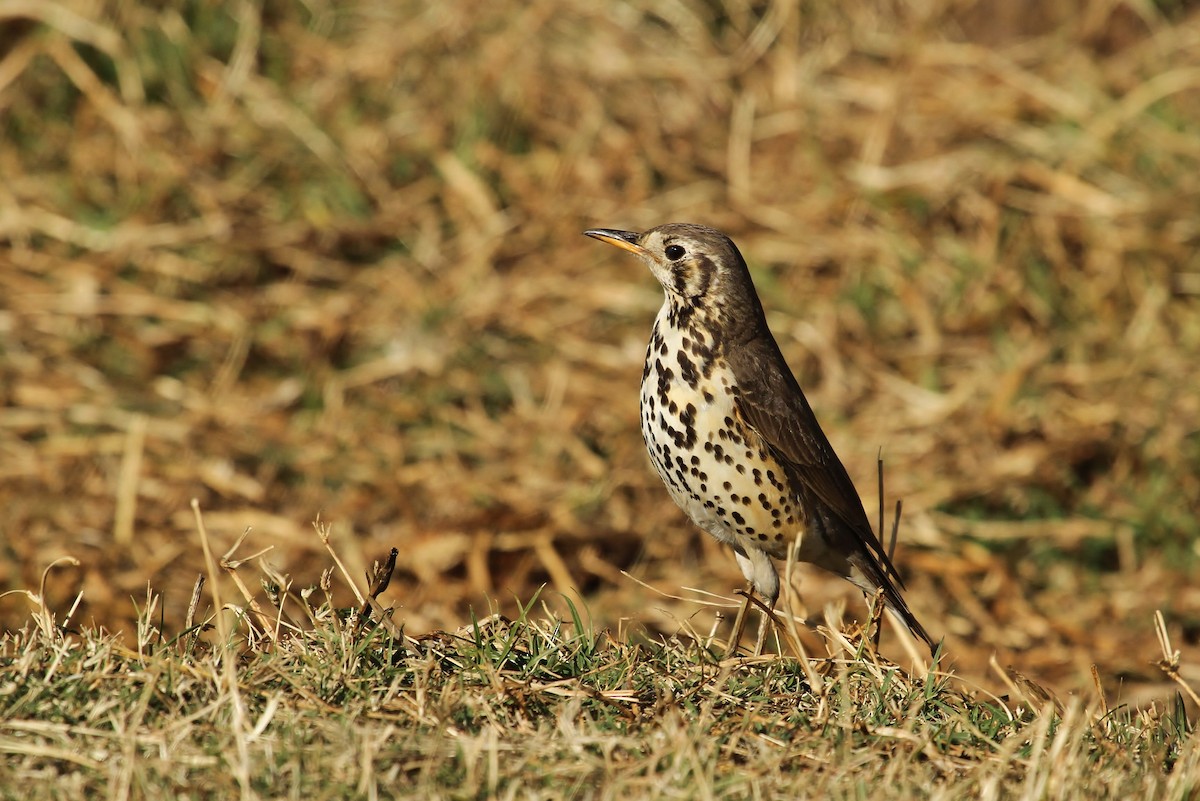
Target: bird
731,434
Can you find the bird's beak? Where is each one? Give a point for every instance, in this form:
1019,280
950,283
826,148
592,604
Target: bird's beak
625,240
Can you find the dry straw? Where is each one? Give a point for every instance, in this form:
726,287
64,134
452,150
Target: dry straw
326,260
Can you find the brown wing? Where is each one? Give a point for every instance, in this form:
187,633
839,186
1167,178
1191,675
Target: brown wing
772,403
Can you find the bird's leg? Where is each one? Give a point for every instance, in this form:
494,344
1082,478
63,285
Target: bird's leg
875,618
739,623
767,620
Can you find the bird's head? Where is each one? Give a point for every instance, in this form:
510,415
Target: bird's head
697,265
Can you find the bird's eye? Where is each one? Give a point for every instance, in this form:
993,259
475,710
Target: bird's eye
675,252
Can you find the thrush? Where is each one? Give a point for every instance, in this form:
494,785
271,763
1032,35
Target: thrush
730,432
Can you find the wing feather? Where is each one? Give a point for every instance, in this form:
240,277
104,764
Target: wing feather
775,407
771,402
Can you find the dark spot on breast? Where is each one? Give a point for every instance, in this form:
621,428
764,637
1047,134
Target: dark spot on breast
688,417
703,351
687,370
737,518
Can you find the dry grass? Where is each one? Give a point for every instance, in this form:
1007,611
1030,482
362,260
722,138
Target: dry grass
312,701
325,259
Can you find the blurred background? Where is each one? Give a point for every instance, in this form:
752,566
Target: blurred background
324,259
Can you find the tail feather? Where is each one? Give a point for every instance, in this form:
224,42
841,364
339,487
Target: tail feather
869,576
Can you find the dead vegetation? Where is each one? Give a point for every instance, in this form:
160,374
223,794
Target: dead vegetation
287,690
325,259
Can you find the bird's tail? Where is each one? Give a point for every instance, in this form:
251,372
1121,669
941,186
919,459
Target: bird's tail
869,576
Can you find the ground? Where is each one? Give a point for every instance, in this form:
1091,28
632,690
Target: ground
324,261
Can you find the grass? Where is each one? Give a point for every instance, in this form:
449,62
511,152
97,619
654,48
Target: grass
313,259
308,700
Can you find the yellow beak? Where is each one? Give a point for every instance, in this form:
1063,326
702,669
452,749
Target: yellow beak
625,240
